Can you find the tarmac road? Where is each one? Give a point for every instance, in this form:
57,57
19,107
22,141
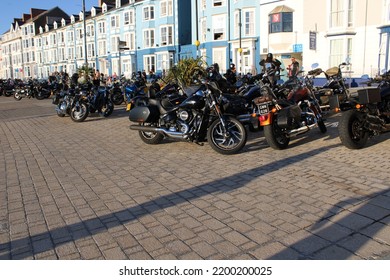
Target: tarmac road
94,190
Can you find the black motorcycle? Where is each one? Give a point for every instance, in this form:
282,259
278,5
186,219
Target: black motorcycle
366,115
193,119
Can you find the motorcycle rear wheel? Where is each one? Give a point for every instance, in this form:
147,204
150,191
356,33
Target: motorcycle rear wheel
275,137
39,95
351,131
151,138
117,98
18,96
79,113
230,142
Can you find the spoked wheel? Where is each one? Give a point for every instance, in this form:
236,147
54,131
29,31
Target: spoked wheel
117,98
151,138
17,96
227,141
351,131
79,112
275,137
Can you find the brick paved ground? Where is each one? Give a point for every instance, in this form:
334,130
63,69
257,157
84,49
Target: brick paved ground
93,190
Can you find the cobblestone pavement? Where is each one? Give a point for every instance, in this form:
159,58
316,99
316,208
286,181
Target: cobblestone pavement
94,190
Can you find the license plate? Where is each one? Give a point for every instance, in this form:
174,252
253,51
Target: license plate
128,107
263,108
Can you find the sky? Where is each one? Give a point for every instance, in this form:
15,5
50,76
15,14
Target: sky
11,9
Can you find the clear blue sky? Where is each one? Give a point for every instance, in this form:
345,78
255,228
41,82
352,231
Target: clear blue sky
11,9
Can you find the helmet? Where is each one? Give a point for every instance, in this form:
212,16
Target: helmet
232,66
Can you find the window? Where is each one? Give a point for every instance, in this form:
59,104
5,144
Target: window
281,22
148,13
166,8
71,53
101,27
102,48
70,36
148,38
203,30
336,52
350,13
130,40
91,50
114,44
126,18
249,23
115,21
336,13
149,62
166,35
219,27
90,30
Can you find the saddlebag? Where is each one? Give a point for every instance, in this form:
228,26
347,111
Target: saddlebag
289,117
369,95
144,114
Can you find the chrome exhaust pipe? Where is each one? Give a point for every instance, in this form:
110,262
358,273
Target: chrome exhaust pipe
300,130
172,134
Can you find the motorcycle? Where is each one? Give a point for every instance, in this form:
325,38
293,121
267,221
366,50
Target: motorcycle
116,94
366,115
24,91
99,100
283,118
193,119
63,101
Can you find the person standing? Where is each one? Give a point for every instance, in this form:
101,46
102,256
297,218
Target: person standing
293,68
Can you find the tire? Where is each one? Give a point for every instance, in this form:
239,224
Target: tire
228,144
351,131
151,138
108,109
8,93
17,96
117,98
321,125
61,115
275,138
39,95
79,113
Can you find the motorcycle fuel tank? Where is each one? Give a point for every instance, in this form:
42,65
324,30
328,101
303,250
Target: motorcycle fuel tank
195,101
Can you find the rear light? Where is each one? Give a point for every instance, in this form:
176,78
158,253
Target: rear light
263,118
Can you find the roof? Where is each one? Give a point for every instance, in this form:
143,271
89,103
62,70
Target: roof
281,9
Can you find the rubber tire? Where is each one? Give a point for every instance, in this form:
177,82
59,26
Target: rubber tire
348,122
17,96
151,138
108,109
83,117
239,137
7,93
322,126
117,98
39,96
270,135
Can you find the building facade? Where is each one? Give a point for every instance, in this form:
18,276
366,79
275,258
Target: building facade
125,36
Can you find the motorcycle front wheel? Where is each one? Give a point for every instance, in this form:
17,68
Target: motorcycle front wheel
79,113
275,137
351,131
229,141
39,95
108,109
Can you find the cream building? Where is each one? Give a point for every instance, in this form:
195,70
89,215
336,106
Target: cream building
327,32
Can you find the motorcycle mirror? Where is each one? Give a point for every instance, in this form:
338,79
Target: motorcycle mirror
314,65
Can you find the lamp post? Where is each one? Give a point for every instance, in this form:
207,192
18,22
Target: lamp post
240,38
85,37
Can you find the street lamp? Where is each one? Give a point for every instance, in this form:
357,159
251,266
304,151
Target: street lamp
240,37
85,38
